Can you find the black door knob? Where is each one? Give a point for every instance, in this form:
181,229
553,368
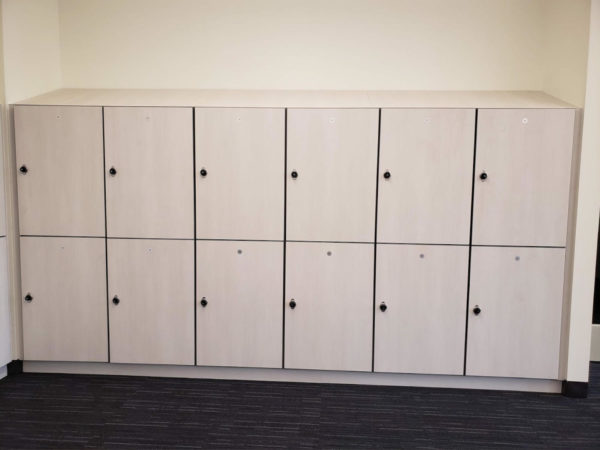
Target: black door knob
116,300
292,303
382,306
23,169
294,174
476,310
28,297
386,175
203,172
483,176
112,171
204,302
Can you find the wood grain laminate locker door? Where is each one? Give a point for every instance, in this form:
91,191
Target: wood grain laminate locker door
63,281
329,306
522,176
425,170
239,310
421,296
240,173
60,162
151,291
331,174
515,310
149,172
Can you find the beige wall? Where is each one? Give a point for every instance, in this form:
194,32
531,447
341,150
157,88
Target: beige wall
31,47
307,44
565,49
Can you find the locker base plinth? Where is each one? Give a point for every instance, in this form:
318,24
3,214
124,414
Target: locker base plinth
298,376
14,367
575,389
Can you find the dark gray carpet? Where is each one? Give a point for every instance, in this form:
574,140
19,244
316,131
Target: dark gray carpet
89,411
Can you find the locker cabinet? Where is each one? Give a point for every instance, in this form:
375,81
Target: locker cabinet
149,172
329,306
331,174
151,306
239,303
63,282
425,170
421,296
522,176
60,163
240,166
515,310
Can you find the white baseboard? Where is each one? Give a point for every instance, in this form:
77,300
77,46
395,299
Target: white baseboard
595,353
302,376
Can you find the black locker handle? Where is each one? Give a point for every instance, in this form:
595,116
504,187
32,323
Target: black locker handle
112,171
204,302
116,300
292,303
28,297
23,169
383,307
477,310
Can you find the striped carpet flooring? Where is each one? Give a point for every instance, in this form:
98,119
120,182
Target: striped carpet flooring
115,412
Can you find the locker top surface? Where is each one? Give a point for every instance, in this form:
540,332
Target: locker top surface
297,98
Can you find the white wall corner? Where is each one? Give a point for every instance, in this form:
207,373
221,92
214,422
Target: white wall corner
588,212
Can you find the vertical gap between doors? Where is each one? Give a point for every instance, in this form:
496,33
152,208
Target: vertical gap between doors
285,118
194,241
375,243
470,243
105,236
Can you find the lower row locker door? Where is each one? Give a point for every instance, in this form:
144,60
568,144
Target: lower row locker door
63,281
239,303
329,306
515,311
421,296
151,301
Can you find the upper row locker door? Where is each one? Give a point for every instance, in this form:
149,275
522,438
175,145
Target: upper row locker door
240,160
60,184
331,174
522,176
425,169
149,172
